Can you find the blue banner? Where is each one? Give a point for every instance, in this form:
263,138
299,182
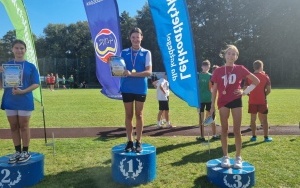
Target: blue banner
104,23
175,40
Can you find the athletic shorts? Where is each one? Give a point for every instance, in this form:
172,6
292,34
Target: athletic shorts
255,108
237,103
130,97
17,113
163,105
205,106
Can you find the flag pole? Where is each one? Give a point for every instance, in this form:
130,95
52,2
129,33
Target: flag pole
43,111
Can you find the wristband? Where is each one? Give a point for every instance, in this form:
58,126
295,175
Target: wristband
249,89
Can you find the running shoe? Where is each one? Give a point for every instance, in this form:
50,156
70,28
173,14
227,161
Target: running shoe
129,147
268,139
215,137
253,139
225,162
138,147
14,158
159,126
238,163
201,139
25,156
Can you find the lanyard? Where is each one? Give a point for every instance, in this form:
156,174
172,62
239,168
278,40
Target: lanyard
133,61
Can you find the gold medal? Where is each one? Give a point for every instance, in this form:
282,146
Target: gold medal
224,92
133,60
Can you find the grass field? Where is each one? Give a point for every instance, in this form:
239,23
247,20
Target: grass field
89,108
181,161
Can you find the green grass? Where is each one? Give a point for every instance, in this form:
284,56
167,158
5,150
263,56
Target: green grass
181,161
89,108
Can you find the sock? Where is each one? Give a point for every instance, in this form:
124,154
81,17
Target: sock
18,148
25,148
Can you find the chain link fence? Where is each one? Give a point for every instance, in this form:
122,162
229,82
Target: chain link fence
82,69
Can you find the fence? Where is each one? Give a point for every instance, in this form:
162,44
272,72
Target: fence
84,69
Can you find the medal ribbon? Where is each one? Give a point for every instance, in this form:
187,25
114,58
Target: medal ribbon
133,61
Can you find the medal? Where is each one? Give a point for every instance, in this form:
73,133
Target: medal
133,61
224,92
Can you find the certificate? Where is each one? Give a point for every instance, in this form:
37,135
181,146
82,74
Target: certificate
117,66
12,75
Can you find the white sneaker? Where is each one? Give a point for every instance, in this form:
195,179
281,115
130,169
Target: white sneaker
158,125
225,162
238,163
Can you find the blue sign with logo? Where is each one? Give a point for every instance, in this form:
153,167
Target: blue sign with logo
176,44
104,23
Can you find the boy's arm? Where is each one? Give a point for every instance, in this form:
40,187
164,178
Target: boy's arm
213,98
246,83
162,88
210,85
154,83
268,86
268,89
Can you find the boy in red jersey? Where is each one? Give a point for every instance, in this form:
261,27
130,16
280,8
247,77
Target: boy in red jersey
258,100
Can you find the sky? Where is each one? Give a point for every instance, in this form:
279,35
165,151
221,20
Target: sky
43,12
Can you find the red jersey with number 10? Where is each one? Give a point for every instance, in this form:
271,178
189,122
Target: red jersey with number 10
228,79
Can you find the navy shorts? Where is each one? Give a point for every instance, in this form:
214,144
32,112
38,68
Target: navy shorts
235,103
163,105
130,97
206,106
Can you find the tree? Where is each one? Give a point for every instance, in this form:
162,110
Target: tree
127,23
145,23
6,42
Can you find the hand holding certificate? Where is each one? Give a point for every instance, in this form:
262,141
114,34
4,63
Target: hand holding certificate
12,75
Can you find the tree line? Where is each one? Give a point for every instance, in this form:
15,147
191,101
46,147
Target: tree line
267,30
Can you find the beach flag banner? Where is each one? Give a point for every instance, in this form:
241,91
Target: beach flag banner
18,16
175,39
104,24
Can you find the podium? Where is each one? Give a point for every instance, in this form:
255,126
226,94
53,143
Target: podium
131,168
230,177
24,174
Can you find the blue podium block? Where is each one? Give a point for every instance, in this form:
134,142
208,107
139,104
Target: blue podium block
21,174
230,177
132,168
